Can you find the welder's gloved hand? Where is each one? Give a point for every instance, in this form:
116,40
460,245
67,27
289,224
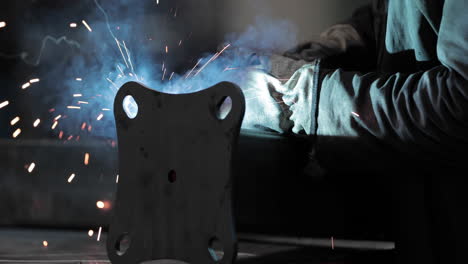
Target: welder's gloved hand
277,91
265,110
297,95
273,105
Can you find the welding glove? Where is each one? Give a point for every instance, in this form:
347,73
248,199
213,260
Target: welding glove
278,95
297,95
264,109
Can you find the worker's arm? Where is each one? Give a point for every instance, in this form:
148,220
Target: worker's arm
367,117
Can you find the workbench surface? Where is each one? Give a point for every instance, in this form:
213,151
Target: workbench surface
26,245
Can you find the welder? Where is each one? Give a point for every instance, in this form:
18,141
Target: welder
385,92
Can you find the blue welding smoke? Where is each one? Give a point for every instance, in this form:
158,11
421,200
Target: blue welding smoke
117,51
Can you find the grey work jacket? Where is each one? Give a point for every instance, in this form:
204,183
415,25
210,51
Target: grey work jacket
401,98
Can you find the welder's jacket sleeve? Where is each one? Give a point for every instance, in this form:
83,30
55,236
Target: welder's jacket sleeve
386,117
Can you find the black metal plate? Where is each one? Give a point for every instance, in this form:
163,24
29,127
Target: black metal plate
175,187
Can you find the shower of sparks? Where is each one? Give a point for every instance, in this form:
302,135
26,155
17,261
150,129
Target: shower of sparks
87,26
26,85
128,56
90,233
77,95
73,107
70,179
212,59
73,25
194,67
99,234
16,133
113,84
34,80
54,125
45,243
57,117
164,74
100,116
31,167
37,122
2,24
79,79
86,159
3,104
121,52
14,121
100,204
121,71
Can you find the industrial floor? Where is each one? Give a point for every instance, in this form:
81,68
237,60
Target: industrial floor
72,246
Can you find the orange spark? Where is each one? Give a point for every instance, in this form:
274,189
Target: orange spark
16,133
3,104
14,121
100,204
37,122
86,25
70,179
73,107
212,59
26,85
31,167
86,159
99,234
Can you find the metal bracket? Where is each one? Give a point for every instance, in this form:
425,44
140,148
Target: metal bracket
174,193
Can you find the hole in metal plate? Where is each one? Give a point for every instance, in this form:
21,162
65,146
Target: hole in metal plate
130,106
223,108
122,244
172,176
216,249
